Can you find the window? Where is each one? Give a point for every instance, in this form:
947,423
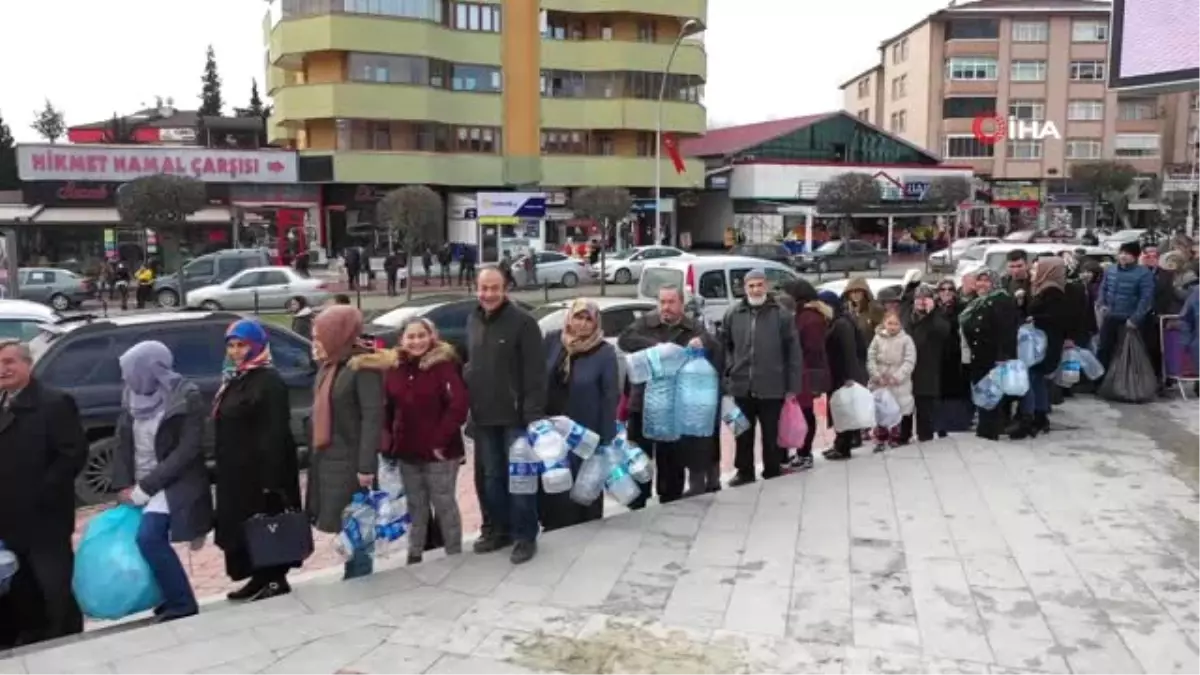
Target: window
274,278
18,329
968,147
712,285
289,354
1089,30
777,278
428,10
971,68
229,266
1083,149
39,277
606,31
615,321
973,29
564,142
1087,71
1027,110
899,87
247,280
475,78
475,17
620,84
647,31
893,122
198,351
902,120
476,139
900,51
864,114
864,87
966,107
1136,145
737,282
1085,111
87,361
202,267
1030,31
1028,71
645,144
1137,109
1024,149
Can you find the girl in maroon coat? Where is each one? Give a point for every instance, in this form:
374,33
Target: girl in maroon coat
426,408
812,322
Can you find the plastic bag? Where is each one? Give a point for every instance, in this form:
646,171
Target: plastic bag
793,428
887,410
1013,377
1031,345
1131,379
111,579
1090,365
986,393
852,407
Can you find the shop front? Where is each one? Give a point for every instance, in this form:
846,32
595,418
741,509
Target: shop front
510,222
1021,199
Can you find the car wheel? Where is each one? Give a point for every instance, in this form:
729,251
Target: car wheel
94,485
168,298
569,280
623,276
211,305
60,302
293,305
822,266
872,263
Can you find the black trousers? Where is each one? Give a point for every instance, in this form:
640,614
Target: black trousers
764,412
40,604
391,281
672,464
1110,337
810,418
925,412
1152,336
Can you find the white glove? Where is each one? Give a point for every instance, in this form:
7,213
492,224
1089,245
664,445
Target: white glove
139,496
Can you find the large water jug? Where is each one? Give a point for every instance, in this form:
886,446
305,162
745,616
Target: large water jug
637,462
661,360
733,417
556,478
547,443
1031,345
589,484
578,438
1013,377
8,568
986,393
697,396
622,486
523,468
358,527
659,421
1090,365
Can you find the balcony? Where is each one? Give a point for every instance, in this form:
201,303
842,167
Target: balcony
635,114
295,37
588,171
686,9
417,167
354,100
591,55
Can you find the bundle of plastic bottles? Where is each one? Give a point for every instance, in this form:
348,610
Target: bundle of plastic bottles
1010,378
617,467
376,522
682,396
543,451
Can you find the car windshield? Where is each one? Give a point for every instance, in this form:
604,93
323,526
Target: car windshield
830,247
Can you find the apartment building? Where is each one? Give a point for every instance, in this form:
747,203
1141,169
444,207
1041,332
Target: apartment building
1042,63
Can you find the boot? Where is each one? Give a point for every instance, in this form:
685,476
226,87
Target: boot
1041,423
1021,428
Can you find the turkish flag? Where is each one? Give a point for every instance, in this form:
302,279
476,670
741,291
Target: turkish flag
671,145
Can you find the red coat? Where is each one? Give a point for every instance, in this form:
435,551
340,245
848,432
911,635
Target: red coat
812,322
426,407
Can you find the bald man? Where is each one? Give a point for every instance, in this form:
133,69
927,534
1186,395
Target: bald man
506,380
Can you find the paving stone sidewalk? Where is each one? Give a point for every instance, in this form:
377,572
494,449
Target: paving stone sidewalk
1073,553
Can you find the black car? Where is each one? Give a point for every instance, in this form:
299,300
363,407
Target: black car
79,355
776,252
842,256
447,312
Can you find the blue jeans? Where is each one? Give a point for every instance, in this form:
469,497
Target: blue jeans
1037,399
154,543
503,514
361,565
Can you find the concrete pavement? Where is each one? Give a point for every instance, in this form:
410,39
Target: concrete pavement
1076,552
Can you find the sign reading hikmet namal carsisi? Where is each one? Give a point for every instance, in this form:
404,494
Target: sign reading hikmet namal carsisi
114,163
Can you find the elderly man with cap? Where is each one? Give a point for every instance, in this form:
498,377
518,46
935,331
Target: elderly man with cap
762,368
1126,298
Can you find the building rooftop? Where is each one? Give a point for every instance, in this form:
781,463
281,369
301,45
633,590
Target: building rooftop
732,140
1006,7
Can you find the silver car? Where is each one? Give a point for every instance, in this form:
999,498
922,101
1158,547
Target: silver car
626,266
551,267
59,288
260,288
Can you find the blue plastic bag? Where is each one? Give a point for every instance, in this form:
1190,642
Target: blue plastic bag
1031,345
1013,377
112,579
986,393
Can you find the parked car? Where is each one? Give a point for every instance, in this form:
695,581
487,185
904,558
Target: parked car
208,270
552,267
775,252
19,319
447,312
79,355
841,256
261,288
946,260
1114,241
626,267
1051,236
616,314
719,280
60,288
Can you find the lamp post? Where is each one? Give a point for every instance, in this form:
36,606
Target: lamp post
689,27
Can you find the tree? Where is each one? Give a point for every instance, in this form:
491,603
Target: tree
606,206
161,202
414,215
1104,180
49,123
846,194
8,159
947,192
210,92
256,107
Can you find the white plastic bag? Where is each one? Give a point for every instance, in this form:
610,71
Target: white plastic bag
1013,377
887,410
853,407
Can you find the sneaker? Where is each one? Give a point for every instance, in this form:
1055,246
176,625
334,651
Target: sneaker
490,543
523,552
803,463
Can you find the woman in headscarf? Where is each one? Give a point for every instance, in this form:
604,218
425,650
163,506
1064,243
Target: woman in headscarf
989,334
812,323
1049,312
954,410
859,304
583,385
159,466
347,421
846,367
256,455
425,408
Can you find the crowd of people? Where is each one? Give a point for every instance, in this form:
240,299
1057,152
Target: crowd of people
409,407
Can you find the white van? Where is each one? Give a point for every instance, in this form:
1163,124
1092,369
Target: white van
995,256
718,279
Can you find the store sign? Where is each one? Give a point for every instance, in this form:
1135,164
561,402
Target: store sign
70,193
509,207
76,163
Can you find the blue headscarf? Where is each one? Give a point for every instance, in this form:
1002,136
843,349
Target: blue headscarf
252,333
832,299
147,369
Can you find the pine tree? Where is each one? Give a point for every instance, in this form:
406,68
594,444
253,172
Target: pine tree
210,92
8,159
49,123
255,108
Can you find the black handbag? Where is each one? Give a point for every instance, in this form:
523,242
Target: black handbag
280,539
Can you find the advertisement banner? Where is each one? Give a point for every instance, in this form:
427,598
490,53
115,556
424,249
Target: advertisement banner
509,208
121,164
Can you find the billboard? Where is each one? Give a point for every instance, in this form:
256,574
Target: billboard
1154,44
118,164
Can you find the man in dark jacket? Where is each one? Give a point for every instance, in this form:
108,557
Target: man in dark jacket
762,368
1016,277
506,378
669,323
929,330
1126,298
43,448
353,260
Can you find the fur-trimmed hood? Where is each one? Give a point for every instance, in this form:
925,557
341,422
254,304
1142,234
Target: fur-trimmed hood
389,359
825,310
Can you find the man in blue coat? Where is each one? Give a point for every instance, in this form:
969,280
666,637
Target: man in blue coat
1126,297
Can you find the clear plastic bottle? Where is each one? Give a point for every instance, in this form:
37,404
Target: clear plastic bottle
358,527
548,443
658,361
589,483
392,522
523,468
733,417
637,462
556,479
622,486
697,396
579,439
389,476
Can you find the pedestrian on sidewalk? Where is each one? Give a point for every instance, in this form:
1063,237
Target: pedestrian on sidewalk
891,359
347,421
847,366
44,448
426,263
1126,299
583,385
989,326
954,410
352,258
391,270
158,465
466,265
762,367
444,257
506,380
424,411
812,323
302,318
929,330
1048,311
255,449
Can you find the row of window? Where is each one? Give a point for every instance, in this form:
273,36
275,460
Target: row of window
423,71
417,137
594,143
621,84
1124,146
988,68
470,16
1082,30
1078,110
561,26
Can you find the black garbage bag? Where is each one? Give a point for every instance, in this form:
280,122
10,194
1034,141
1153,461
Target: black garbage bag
1130,377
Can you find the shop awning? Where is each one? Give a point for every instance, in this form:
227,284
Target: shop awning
13,212
78,216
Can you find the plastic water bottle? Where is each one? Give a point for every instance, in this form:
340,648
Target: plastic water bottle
358,527
697,396
392,521
661,360
589,484
659,420
622,486
556,478
8,568
637,462
578,438
733,417
547,443
389,477
523,468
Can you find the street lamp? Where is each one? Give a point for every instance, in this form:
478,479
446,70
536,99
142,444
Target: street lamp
689,28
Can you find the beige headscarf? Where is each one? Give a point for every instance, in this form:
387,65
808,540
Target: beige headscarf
574,343
1049,272
336,328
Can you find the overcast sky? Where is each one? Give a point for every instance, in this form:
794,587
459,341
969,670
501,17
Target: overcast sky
766,58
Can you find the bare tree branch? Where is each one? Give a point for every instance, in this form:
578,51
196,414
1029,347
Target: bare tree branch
846,194
415,215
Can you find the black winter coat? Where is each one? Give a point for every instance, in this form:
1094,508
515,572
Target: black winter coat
1080,314
1050,312
843,353
929,333
955,383
991,334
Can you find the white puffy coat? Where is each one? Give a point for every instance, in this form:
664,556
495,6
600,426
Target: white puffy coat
894,355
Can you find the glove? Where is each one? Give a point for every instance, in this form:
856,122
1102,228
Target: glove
139,496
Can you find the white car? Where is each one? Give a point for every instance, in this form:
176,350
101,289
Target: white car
19,319
626,267
261,288
947,259
717,280
1114,241
551,267
996,256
